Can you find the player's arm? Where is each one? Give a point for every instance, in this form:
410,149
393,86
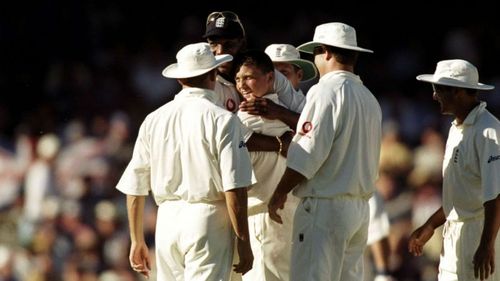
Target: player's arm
260,142
236,202
268,109
139,253
484,258
289,180
422,234
381,252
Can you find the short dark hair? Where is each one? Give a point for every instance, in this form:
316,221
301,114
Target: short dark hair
344,56
254,57
196,81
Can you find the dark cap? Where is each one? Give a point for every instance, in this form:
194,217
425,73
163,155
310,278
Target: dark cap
224,24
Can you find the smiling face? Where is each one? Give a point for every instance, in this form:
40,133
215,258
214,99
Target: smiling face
251,80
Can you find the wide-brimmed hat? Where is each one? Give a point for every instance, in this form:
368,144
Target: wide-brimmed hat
224,24
455,73
334,34
194,60
289,54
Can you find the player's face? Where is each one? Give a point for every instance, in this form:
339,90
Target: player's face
221,46
292,73
251,80
446,97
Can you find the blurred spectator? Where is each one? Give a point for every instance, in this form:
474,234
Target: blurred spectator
88,72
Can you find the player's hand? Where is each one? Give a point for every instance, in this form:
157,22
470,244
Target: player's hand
246,256
276,202
484,261
260,106
139,258
254,105
418,239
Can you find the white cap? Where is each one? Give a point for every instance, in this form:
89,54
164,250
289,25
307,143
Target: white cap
289,54
194,60
334,34
455,73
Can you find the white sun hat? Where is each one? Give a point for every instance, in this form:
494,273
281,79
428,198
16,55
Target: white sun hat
194,60
289,54
334,34
455,73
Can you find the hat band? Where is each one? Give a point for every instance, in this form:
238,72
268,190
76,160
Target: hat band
195,64
455,80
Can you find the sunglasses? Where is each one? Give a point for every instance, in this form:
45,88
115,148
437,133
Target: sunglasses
318,50
222,16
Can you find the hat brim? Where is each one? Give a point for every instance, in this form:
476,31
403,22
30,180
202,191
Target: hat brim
174,71
308,68
445,81
309,47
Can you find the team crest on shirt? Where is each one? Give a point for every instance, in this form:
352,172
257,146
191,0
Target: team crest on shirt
230,105
306,128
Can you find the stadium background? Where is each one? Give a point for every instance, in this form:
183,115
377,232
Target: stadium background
81,76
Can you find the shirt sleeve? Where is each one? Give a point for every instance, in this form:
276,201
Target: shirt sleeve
489,163
136,179
249,124
287,95
235,165
315,134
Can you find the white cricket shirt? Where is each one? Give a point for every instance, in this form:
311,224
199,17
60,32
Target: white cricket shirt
268,166
337,145
189,149
227,96
471,165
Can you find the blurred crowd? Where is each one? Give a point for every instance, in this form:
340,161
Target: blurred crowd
67,124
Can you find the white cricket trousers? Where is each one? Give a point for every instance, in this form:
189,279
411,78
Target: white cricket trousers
329,239
460,242
271,244
194,242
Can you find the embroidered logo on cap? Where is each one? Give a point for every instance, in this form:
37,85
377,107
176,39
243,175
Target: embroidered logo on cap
278,52
219,23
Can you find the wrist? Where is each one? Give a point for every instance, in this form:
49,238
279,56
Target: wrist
430,226
242,238
280,143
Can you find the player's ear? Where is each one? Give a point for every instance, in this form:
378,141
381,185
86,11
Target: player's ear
270,76
300,74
